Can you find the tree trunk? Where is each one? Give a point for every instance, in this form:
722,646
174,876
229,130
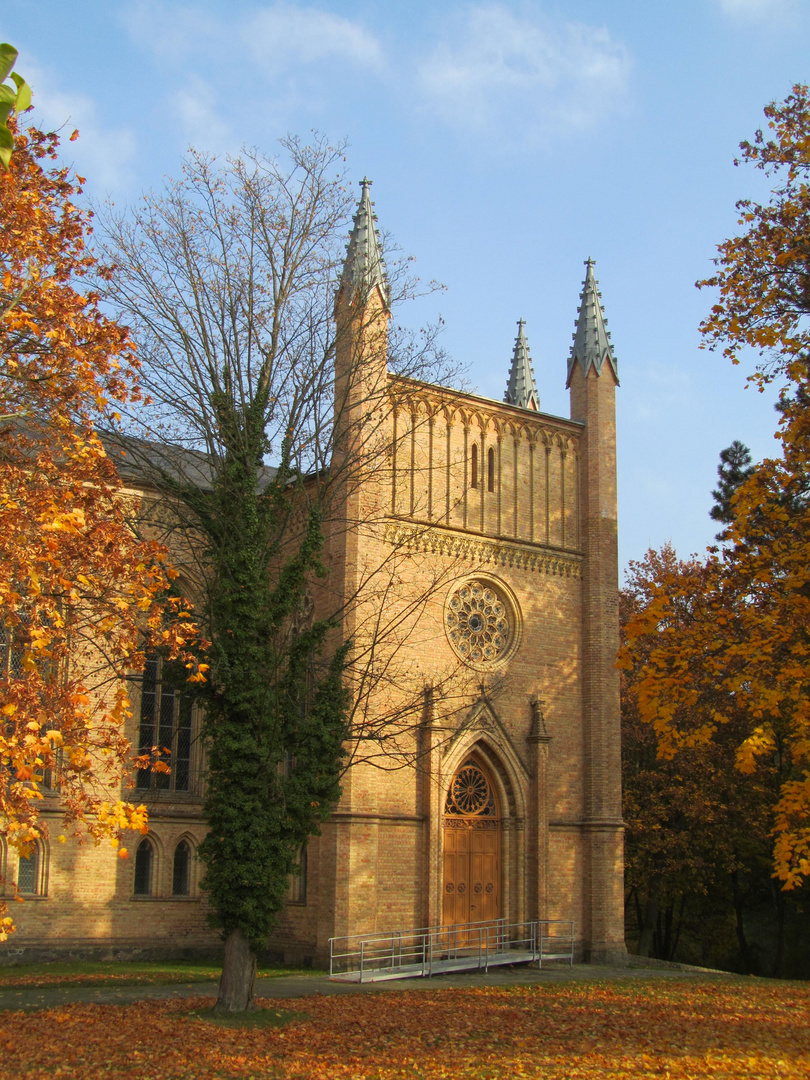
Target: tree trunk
238,975
676,937
779,904
742,939
645,937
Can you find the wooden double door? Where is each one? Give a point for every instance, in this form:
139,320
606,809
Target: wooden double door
472,848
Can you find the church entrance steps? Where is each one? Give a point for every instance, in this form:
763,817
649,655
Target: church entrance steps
477,946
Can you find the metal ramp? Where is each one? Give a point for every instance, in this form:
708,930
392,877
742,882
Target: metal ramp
408,954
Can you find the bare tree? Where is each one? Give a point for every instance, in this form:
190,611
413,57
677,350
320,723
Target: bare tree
266,437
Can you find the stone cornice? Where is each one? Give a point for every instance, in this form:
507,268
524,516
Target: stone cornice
438,540
460,407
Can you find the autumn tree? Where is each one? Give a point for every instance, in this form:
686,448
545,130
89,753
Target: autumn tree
80,594
763,280
697,845
228,280
745,651
763,274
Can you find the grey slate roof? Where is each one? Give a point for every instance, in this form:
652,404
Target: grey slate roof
363,268
591,340
521,389
140,461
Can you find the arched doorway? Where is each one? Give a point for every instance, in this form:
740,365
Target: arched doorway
472,847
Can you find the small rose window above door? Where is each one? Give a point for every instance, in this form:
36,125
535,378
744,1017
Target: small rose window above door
470,792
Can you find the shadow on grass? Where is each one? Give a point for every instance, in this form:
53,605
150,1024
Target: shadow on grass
258,1018
112,973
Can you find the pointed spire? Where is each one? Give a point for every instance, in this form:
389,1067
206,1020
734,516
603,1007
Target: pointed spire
363,268
520,389
591,340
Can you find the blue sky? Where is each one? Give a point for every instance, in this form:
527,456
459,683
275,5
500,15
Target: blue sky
507,142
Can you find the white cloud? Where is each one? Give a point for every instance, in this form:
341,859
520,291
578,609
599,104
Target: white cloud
498,71
277,37
195,105
285,35
106,154
756,10
173,31
273,57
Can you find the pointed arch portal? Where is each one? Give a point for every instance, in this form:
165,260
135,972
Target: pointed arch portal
471,887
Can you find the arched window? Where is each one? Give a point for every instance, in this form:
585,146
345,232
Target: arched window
29,873
144,862
181,869
167,718
474,466
491,469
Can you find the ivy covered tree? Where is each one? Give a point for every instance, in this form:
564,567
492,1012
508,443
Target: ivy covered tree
258,440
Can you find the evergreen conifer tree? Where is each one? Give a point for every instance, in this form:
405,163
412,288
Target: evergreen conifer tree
734,469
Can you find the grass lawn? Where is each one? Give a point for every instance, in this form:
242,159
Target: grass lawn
668,1028
42,976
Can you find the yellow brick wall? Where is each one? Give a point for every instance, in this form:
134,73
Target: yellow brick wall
409,529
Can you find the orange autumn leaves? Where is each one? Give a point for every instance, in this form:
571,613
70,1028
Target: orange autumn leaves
724,645
762,274
80,594
679,1029
721,649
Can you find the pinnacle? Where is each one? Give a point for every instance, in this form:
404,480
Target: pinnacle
520,389
363,268
592,345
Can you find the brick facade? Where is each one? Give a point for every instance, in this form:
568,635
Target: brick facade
536,525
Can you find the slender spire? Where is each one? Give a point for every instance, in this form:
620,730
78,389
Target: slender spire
591,340
363,268
520,389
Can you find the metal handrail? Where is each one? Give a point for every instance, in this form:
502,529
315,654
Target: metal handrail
424,950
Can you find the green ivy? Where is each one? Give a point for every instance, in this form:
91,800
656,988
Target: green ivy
275,707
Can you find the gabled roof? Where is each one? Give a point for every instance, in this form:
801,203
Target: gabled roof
591,341
521,389
140,461
363,269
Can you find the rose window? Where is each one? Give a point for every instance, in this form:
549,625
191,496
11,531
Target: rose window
470,792
479,621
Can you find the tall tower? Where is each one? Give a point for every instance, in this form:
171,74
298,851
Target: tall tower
592,380
361,421
360,474
361,315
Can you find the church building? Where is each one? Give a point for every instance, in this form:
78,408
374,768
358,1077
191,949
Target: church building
492,787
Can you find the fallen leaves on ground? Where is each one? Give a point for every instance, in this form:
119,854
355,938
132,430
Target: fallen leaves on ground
674,1029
